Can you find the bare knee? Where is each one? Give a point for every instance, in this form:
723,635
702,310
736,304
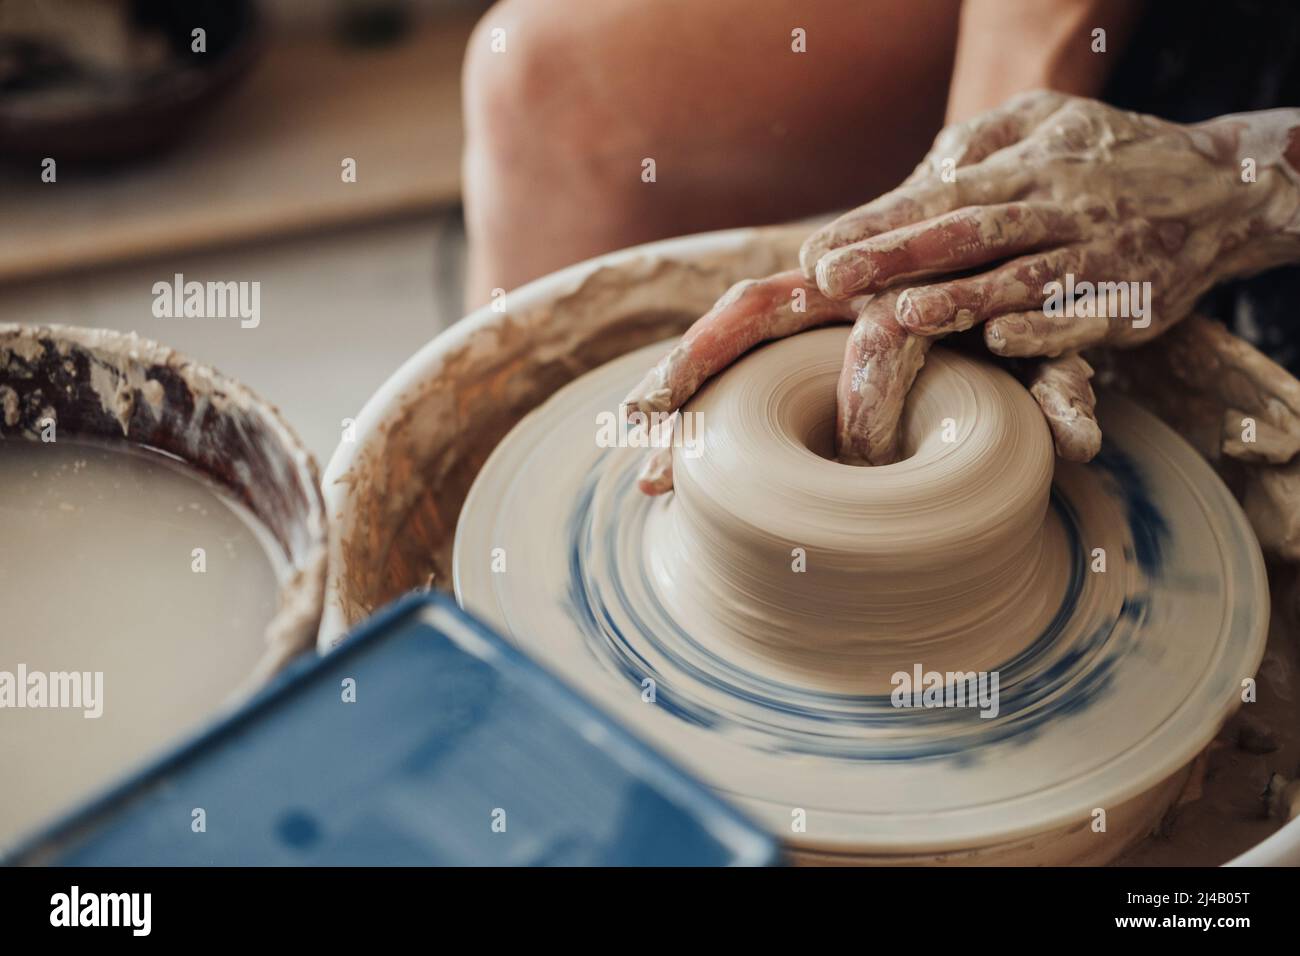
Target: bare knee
528,121
544,182
511,76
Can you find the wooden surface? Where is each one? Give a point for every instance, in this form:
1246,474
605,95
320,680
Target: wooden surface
265,163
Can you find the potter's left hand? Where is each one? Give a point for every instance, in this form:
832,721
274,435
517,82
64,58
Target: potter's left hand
1238,408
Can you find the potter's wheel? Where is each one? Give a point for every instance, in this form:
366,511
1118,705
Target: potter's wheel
1109,683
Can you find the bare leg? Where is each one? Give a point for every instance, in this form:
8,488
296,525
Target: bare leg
742,129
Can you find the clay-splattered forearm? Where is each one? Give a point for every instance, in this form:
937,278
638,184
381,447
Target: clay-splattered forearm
1263,147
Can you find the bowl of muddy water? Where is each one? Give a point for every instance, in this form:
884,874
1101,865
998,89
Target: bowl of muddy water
163,554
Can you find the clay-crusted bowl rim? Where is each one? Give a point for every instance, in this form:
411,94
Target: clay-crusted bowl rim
189,390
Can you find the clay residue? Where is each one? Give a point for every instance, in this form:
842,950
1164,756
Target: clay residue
153,394
9,405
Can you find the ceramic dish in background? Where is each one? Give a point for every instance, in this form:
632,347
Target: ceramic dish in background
57,99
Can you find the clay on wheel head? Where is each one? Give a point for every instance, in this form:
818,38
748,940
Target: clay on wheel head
771,541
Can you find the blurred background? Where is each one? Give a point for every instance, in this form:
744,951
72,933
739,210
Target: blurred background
229,164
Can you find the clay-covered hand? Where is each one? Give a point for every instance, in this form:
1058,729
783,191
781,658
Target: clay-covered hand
1069,224
881,359
1052,186
880,364
1042,197
1238,408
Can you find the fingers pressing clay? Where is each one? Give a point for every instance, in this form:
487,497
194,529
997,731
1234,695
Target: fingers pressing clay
750,312
881,361
1209,357
1017,286
1063,392
656,476
1226,398
909,203
970,237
